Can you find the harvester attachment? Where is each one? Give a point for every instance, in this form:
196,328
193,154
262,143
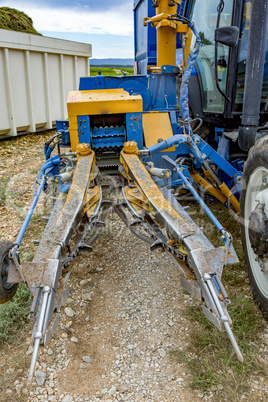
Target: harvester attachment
71,228
200,264
149,210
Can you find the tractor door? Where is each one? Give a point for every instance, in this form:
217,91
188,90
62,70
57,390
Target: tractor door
205,99
241,65
205,16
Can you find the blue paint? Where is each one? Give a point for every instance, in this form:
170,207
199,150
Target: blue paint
30,212
223,147
184,100
134,128
200,201
108,138
219,161
63,128
48,169
145,37
83,123
218,131
174,115
158,91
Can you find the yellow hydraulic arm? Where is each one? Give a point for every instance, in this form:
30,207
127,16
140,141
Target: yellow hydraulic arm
167,28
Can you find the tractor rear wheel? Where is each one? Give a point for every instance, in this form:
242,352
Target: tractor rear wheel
254,221
7,290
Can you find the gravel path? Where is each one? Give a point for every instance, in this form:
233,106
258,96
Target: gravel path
125,315
123,318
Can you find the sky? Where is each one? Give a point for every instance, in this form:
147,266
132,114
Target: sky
106,24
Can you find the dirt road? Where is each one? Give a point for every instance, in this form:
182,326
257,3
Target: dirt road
123,323
118,344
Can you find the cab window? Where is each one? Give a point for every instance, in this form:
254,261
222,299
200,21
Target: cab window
242,62
205,19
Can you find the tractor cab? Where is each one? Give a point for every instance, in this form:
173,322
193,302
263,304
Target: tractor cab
230,67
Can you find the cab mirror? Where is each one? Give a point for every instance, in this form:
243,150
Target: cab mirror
227,35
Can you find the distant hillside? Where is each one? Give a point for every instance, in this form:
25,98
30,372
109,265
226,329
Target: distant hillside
112,62
15,20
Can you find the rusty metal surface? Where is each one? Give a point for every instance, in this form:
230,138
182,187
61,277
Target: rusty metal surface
208,262
92,196
42,274
204,258
136,200
63,224
177,225
196,240
45,242
13,274
191,286
51,330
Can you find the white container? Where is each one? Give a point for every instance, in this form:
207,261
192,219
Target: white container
36,74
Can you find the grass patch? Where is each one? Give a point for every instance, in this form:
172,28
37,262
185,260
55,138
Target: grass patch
13,314
214,365
210,356
7,192
34,232
15,20
110,71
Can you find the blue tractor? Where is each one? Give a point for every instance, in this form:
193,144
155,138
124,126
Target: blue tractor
229,92
135,128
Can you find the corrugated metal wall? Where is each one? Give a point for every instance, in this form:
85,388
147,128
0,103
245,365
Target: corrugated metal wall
36,74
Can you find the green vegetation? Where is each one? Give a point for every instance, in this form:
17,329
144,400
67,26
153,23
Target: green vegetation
13,314
15,20
210,357
110,71
34,231
8,194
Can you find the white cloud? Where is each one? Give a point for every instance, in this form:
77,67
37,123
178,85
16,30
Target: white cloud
118,22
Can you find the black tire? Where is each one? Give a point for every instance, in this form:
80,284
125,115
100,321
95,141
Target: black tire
255,168
7,291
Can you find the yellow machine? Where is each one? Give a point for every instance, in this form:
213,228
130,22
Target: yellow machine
129,127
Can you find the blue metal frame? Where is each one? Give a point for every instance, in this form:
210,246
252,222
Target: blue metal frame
83,123
46,170
134,128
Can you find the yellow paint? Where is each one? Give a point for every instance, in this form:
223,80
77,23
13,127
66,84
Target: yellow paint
167,31
227,192
150,190
75,189
97,102
187,46
174,243
166,37
167,171
155,126
91,198
212,190
83,150
131,147
137,199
